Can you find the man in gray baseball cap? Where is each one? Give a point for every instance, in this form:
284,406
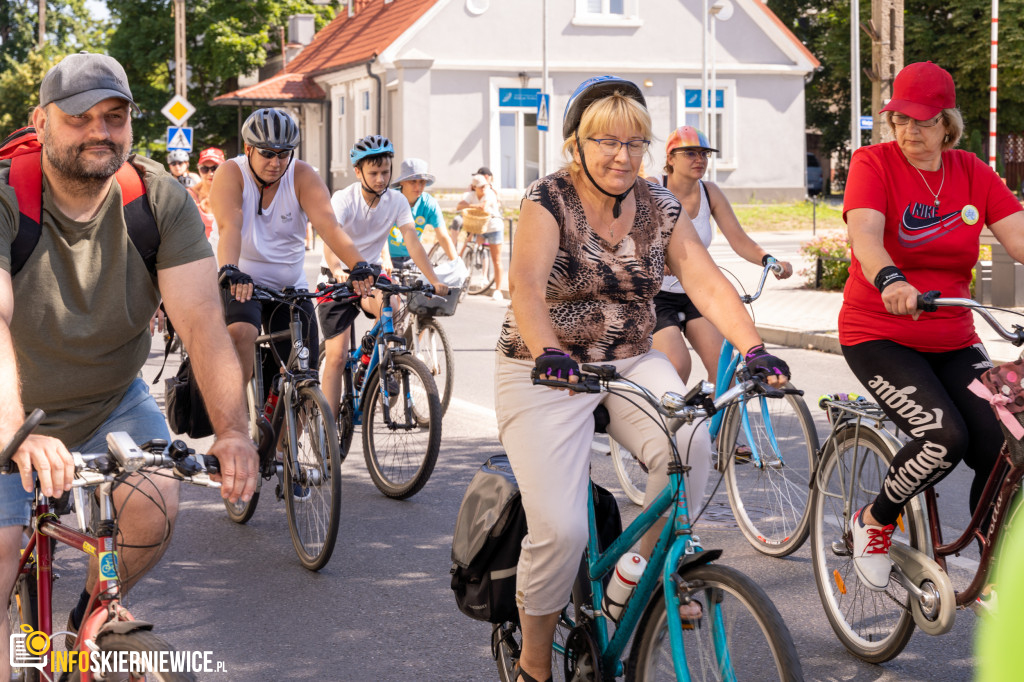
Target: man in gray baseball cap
81,81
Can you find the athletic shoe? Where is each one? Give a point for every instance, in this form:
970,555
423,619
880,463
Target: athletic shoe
498,296
871,552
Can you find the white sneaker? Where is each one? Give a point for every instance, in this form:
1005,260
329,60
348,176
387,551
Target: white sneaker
498,296
871,552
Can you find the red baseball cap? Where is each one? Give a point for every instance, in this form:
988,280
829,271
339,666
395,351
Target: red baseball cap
922,90
211,154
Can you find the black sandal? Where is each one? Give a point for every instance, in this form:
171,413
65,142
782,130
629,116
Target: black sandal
518,672
693,622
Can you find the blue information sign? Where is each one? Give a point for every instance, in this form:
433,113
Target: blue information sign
693,100
179,138
866,122
518,97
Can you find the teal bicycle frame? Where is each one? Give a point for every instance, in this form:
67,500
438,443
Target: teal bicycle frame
382,331
675,542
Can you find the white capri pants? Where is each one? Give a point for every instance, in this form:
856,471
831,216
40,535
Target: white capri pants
548,434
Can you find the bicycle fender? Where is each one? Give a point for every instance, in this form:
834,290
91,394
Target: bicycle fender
122,627
705,556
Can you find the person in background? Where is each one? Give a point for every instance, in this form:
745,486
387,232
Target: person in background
468,197
413,179
486,199
209,159
177,162
686,159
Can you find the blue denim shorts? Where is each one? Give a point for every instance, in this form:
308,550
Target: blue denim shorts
137,413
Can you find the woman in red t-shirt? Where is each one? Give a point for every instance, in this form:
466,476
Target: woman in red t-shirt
915,208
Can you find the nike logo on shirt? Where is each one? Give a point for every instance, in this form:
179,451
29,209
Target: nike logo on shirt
920,225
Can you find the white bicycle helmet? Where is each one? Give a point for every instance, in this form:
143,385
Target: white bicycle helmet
177,156
271,129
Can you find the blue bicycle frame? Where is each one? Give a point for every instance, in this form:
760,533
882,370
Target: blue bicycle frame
382,329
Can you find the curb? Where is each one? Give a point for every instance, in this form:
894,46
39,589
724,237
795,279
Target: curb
823,340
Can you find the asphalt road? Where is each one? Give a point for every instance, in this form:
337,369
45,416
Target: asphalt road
382,608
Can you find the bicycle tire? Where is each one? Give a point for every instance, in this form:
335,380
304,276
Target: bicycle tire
346,421
400,456
143,642
753,630
241,512
434,350
478,261
507,640
22,609
874,626
313,520
436,254
770,501
631,473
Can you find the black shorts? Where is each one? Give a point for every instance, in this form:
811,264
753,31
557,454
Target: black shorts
673,310
271,317
337,316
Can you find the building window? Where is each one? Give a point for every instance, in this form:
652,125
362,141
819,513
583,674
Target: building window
725,115
341,106
366,100
607,13
339,160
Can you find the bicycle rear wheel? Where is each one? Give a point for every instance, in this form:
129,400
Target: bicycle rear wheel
740,635
770,498
434,350
631,473
241,512
874,626
402,433
313,479
142,642
22,610
481,277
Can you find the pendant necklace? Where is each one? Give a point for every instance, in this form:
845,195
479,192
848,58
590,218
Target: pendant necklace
935,195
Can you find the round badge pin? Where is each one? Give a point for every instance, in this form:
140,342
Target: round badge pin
970,214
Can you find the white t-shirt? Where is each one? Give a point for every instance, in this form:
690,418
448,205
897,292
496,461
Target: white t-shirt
702,223
369,227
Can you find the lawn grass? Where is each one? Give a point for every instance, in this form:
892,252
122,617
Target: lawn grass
771,217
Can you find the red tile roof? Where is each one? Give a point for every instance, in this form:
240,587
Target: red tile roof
284,87
347,41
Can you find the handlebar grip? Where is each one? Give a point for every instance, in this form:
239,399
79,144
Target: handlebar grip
586,384
18,438
926,303
211,463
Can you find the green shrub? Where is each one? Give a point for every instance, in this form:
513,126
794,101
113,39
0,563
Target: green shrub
833,249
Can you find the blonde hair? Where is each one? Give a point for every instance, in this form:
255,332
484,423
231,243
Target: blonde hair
952,120
608,112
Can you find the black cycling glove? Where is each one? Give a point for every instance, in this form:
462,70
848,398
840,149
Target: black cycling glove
230,275
555,364
362,270
760,361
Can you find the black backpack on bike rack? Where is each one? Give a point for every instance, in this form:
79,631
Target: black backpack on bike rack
488,538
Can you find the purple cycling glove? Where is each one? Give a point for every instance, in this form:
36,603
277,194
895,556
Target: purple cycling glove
554,363
760,361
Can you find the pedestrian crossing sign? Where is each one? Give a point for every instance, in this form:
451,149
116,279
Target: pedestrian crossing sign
543,106
179,138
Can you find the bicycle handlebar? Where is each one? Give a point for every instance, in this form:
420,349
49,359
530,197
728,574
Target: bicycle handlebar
772,265
931,301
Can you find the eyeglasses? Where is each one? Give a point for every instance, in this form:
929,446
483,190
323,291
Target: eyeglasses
207,169
270,153
902,120
610,146
693,154
177,163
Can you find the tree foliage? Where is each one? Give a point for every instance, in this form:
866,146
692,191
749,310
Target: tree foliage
224,38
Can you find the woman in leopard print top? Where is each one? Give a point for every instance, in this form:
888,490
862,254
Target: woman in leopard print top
592,243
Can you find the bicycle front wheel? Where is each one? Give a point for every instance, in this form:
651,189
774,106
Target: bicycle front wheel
481,277
241,512
313,479
433,349
141,669
874,626
22,610
631,473
769,489
739,636
401,426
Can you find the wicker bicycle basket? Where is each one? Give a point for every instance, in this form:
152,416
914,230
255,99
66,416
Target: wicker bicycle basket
474,220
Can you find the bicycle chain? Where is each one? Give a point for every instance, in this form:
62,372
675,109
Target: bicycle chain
905,607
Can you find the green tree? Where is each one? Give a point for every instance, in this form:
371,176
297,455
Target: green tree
224,38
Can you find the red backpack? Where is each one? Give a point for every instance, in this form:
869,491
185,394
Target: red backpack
26,178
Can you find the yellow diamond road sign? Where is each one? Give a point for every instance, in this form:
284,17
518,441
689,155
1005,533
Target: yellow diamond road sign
178,110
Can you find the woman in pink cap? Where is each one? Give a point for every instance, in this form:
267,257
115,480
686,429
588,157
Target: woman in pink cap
686,160
209,159
914,208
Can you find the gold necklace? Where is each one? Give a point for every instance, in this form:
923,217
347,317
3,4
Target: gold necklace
935,195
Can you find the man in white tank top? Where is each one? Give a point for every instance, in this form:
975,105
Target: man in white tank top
261,202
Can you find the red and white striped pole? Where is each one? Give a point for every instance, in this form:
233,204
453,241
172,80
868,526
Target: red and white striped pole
992,86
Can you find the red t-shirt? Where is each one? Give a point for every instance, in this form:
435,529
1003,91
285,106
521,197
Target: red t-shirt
936,248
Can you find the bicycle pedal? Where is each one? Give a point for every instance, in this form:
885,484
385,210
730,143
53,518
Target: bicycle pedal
840,549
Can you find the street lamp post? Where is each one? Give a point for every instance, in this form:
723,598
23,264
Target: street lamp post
720,11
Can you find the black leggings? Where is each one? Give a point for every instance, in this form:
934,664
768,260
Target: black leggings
926,396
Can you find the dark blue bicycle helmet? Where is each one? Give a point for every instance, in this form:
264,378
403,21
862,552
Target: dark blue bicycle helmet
589,92
371,145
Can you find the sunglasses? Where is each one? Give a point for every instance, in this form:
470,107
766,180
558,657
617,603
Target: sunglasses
270,154
207,169
899,119
177,163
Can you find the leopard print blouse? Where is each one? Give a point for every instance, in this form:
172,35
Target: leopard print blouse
600,295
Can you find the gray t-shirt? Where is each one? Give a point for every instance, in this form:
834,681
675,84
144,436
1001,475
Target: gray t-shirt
84,299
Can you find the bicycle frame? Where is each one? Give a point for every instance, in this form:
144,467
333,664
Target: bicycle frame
383,331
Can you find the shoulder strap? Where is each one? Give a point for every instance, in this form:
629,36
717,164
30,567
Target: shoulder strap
138,216
706,195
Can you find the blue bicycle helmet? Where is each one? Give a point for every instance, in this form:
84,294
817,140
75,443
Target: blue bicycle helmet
589,92
371,145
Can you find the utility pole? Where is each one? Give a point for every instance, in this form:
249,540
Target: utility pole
42,22
886,32
854,76
180,66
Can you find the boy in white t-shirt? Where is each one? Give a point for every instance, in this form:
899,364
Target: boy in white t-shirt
367,210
